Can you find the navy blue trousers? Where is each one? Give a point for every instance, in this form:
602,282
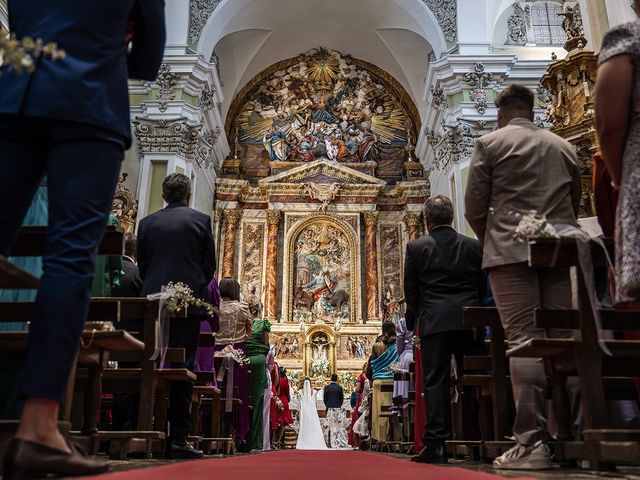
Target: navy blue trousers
82,164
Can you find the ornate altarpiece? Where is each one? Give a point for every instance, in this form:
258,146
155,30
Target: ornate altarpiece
316,204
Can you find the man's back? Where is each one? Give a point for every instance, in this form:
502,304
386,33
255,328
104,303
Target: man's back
333,395
88,85
442,275
524,168
176,245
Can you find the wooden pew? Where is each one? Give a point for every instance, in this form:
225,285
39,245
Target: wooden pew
603,446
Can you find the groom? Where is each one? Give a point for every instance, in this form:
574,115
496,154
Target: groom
333,399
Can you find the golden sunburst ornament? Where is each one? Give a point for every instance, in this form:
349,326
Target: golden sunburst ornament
323,69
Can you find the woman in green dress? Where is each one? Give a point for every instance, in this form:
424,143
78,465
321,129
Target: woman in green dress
257,348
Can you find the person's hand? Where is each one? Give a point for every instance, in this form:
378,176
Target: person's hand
128,36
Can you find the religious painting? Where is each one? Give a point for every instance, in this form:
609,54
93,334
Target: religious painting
251,261
390,240
353,346
287,345
321,274
325,105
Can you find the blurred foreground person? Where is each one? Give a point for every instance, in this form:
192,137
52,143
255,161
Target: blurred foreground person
68,120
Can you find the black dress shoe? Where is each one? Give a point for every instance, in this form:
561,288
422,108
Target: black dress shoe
431,455
24,459
182,450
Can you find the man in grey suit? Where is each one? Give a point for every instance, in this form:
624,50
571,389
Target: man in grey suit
514,170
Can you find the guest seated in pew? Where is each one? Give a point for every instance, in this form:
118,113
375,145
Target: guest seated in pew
514,170
176,245
69,120
235,328
385,353
442,275
404,345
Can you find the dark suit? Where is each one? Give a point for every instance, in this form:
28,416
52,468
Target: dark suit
333,395
442,275
176,245
69,120
131,283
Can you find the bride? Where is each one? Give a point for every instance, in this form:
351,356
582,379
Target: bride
310,436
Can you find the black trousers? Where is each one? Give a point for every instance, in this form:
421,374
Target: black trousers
184,333
82,164
436,351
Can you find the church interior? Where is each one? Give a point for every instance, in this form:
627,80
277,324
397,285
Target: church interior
313,133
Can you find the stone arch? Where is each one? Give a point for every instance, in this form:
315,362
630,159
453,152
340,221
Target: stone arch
290,262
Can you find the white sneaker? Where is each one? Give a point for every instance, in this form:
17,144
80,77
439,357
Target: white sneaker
521,457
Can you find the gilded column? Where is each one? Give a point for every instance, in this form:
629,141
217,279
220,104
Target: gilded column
412,221
371,276
231,220
271,277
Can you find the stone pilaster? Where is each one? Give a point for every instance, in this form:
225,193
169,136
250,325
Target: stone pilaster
371,275
271,277
231,220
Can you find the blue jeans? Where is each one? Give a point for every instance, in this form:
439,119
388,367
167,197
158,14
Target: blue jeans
82,165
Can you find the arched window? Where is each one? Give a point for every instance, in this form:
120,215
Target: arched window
546,20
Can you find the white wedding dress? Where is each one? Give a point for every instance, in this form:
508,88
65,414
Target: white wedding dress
310,435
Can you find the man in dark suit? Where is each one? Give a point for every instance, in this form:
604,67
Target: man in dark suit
68,120
333,394
130,283
176,245
442,275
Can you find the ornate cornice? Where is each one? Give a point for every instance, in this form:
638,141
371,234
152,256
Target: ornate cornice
166,136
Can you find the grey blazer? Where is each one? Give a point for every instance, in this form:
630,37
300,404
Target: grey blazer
519,168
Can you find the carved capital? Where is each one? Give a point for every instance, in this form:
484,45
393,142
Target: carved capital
273,217
412,219
232,217
371,218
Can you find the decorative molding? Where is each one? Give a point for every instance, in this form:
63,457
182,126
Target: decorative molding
207,98
455,143
517,27
446,13
167,81
479,80
324,193
166,136
199,13
438,98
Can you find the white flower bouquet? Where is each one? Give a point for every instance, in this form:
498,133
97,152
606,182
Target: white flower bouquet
180,297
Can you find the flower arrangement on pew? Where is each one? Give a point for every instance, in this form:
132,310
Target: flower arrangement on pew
180,297
237,355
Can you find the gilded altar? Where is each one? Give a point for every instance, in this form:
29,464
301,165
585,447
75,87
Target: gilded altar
316,203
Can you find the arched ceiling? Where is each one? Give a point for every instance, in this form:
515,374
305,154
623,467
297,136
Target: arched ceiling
395,35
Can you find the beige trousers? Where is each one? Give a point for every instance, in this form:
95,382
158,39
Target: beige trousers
518,290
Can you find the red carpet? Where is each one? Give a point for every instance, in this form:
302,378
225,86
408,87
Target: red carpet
301,465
